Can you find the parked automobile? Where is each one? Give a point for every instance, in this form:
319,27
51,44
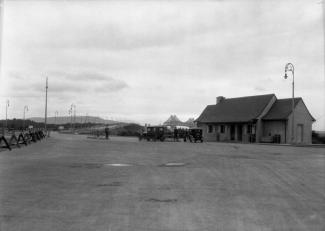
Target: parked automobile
154,133
194,135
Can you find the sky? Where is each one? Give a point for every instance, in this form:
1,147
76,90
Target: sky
142,61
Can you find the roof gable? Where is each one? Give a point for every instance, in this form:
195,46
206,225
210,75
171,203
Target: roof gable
242,109
282,108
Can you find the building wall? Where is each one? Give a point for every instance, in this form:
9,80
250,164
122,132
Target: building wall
216,134
225,136
271,128
206,136
301,117
259,124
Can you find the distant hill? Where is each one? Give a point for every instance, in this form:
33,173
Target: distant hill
131,129
78,119
190,122
173,121
127,130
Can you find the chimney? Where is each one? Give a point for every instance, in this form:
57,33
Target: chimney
220,99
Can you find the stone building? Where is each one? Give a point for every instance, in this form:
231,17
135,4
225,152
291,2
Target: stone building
260,118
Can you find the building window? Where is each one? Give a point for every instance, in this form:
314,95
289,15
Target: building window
222,128
210,128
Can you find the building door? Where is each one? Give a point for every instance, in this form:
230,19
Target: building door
300,133
232,132
239,132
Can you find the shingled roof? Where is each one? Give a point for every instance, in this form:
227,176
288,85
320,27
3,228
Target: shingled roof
282,108
242,109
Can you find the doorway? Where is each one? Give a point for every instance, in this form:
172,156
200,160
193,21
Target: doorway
232,132
300,133
239,132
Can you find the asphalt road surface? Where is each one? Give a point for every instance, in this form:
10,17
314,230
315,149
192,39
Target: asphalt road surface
69,182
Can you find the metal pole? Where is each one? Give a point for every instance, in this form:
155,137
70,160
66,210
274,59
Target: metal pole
24,120
290,67
70,113
73,109
25,109
293,108
46,87
74,119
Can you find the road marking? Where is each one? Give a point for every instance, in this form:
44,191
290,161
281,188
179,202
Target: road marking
173,164
119,165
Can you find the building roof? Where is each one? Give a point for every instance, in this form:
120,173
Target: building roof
282,108
242,109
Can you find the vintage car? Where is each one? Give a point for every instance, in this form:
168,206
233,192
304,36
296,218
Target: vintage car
154,133
194,135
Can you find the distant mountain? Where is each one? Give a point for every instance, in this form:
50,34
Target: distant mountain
173,121
190,122
78,119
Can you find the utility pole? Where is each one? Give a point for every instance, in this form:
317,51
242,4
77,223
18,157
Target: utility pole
46,87
74,119
70,113
25,109
73,110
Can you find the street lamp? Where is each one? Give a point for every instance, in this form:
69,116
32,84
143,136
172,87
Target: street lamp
70,113
290,67
25,109
7,105
73,109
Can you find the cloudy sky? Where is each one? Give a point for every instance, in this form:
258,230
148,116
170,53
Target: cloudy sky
145,60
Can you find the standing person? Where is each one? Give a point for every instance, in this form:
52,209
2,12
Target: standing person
175,134
107,132
185,134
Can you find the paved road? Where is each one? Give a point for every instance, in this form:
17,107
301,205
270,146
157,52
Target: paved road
73,183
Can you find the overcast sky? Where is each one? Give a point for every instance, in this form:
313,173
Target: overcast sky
146,60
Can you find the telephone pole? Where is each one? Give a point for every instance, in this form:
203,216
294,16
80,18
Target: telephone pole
73,113
70,114
25,109
46,87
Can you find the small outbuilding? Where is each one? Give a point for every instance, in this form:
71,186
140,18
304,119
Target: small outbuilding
259,118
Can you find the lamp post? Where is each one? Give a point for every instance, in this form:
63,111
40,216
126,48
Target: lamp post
25,109
45,120
7,105
290,67
70,113
74,118
73,109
